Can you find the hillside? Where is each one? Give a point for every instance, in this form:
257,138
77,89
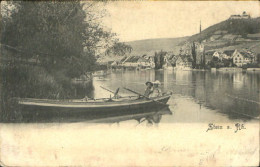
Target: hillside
149,46
242,27
230,34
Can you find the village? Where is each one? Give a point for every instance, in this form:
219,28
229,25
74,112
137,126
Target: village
129,83
220,50
232,59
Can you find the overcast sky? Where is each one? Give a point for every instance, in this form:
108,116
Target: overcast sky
168,19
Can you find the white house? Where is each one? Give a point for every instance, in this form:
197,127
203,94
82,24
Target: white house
131,61
143,62
217,54
136,61
241,58
227,54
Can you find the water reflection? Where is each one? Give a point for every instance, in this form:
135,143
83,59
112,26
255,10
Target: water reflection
198,96
152,117
220,91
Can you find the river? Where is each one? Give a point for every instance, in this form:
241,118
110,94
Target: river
198,96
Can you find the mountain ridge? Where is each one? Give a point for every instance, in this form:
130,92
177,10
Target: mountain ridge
149,46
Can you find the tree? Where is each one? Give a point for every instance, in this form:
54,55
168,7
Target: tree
193,53
64,34
159,59
119,48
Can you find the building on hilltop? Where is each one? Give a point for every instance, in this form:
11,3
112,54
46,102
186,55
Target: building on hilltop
243,16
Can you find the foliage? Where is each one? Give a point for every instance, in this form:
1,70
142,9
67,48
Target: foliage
63,34
194,55
217,63
35,82
159,59
119,48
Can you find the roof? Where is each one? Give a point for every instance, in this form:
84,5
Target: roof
173,59
229,52
123,59
141,59
132,59
245,54
210,52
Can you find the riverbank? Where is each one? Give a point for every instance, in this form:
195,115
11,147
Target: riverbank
26,81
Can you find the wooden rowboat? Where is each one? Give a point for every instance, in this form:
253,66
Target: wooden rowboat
47,108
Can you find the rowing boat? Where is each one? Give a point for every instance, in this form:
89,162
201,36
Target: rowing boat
48,108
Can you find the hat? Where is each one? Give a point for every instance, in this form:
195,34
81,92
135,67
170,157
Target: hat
148,82
157,82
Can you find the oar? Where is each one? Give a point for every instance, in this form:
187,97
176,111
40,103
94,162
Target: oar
145,96
115,93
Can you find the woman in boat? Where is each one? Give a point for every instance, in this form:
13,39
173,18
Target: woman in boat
156,90
149,89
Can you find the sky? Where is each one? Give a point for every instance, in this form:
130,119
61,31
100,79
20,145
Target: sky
169,19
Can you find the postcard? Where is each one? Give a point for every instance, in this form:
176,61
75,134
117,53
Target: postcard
130,83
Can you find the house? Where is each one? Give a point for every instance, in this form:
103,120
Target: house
184,63
221,55
136,61
114,63
241,58
217,54
151,60
245,15
131,61
208,56
143,62
227,54
173,59
167,64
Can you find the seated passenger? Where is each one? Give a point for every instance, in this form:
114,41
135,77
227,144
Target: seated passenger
156,90
149,89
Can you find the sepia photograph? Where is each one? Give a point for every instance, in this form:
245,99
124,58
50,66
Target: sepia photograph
129,83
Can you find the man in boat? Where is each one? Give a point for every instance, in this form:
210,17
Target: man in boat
149,89
156,90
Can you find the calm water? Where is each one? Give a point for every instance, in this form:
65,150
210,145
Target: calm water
197,96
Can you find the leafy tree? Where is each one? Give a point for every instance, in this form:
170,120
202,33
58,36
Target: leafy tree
159,59
119,48
64,34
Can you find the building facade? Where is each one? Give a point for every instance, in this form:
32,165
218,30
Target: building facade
241,58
